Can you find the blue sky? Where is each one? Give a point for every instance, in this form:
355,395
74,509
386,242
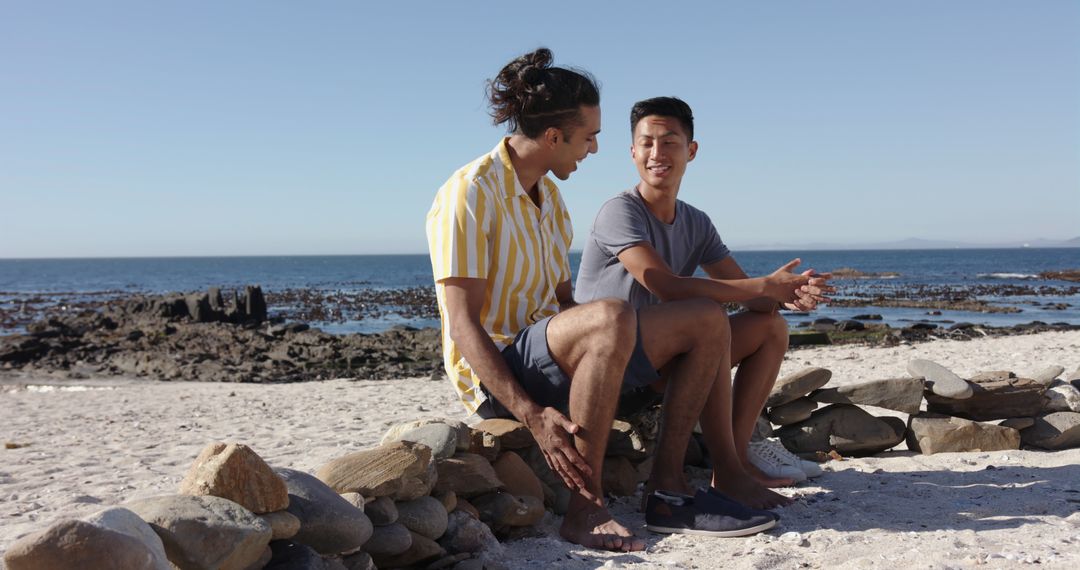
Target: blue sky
237,128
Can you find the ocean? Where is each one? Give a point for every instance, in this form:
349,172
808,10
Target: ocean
1002,277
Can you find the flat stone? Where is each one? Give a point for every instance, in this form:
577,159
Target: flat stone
425,516
900,394
441,438
848,429
511,434
1062,397
992,400
422,549
462,430
286,555
465,533
993,375
484,444
503,510
1017,423
794,386
382,511
466,507
619,477
516,476
388,540
808,338
1047,375
1059,430
205,532
328,523
559,499
625,441
467,475
233,471
792,412
401,470
448,499
933,433
115,538
283,524
939,380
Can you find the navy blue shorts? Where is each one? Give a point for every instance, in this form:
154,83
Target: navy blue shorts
548,385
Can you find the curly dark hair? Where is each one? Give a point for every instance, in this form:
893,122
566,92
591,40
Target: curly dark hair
664,107
530,95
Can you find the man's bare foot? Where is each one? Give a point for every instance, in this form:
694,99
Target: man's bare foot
771,482
746,490
591,526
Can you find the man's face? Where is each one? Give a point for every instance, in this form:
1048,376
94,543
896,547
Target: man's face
577,143
661,151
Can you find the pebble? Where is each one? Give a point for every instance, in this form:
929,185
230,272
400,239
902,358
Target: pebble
793,538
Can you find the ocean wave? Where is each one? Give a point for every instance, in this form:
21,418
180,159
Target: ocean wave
1007,276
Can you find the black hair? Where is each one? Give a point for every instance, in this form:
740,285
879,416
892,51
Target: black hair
664,107
531,96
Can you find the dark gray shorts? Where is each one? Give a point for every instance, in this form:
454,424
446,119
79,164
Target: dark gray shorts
531,363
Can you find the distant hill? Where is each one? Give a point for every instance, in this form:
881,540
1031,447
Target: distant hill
914,243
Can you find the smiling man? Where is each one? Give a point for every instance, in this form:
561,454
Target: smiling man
644,247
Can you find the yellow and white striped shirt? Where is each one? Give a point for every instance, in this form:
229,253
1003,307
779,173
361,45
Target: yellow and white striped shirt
483,225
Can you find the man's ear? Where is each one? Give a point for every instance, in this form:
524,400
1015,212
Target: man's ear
552,136
693,150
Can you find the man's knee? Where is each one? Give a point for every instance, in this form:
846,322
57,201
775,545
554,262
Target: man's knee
778,330
613,326
711,323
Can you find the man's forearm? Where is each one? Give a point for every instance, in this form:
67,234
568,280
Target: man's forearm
719,290
489,367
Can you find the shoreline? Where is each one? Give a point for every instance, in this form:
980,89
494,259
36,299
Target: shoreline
128,438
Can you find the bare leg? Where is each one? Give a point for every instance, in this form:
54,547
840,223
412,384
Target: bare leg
759,343
592,343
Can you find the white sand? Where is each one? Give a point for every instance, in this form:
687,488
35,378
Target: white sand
120,440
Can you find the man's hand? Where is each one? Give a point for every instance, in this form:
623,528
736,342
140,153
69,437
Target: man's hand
553,432
784,286
813,292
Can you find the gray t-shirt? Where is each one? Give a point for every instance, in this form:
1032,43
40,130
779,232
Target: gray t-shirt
685,244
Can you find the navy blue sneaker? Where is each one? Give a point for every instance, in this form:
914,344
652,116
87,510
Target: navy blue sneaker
722,497
703,514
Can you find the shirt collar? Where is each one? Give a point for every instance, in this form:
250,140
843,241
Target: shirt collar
546,186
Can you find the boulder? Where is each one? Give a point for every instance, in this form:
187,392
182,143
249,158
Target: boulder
511,434
516,476
115,538
1017,423
850,325
401,470
286,555
462,431
848,429
1059,430
625,441
933,433
466,507
794,386
1047,375
359,561
382,511
792,412
992,400
465,533
619,477
425,516
205,532
388,540
422,549
900,394
559,498
484,444
808,338
448,499
357,500
993,375
762,428
939,380
1062,397
328,523
503,510
467,475
283,524
233,471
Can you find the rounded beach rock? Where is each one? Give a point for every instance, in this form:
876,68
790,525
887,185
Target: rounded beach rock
467,475
900,394
388,540
328,523
115,538
794,386
425,516
933,433
401,470
517,476
465,533
792,412
511,434
234,472
382,511
283,524
940,380
422,549
1059,430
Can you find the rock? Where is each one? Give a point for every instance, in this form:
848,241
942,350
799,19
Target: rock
467,475
422,549
1047,375
868,317
448,499
286,555
463,431
382,511
1062,397
939,380
900,394
1017,423
1059,430
359,561
328,523
254,303
808,338
388,540
235,472
484,444
425,516
357,500
850,325
932,433
283,524
794,386
204,532
625,441
560,495
115,538
511,434
993,399
792,412
465,533
898,425
848,429
448,561
441,438
516,476
762,428
400,470
619,477
466,507
993,375
503,510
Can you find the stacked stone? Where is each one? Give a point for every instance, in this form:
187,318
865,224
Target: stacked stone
1040,411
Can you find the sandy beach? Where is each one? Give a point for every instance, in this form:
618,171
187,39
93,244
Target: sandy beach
75,447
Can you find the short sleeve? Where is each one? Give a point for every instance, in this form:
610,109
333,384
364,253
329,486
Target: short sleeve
566,234
713,248
619,225
457,228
